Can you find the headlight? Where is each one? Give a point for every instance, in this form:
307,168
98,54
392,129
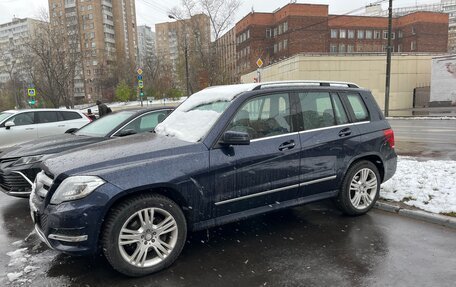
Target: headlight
28,160
76,187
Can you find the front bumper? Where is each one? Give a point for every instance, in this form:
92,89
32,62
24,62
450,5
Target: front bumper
71,227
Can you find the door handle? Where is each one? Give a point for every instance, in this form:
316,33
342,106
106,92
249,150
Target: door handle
29,129
62,126
345,132
287,145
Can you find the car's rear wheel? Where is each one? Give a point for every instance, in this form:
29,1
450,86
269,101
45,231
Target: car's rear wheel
143,235
360,188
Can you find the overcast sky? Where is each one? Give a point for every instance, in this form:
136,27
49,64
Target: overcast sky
150,12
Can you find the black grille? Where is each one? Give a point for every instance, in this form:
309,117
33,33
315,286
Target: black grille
42,221
14,182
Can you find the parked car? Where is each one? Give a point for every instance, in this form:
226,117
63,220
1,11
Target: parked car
224,154
18,126
19,165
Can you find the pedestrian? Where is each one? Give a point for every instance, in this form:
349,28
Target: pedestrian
103,109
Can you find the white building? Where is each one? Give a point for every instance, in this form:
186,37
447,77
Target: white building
146,44
12,49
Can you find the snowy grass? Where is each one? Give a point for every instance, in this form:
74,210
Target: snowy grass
428,185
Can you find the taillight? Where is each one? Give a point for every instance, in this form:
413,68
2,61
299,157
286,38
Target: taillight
389,135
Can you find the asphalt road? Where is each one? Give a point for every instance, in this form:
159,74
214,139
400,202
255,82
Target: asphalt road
313,245
434,139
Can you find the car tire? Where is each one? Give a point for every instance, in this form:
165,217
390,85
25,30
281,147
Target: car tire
135,245
360,188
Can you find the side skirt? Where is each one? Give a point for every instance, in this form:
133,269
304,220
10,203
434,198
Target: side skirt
260,210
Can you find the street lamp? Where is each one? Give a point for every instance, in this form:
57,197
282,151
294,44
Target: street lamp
185,52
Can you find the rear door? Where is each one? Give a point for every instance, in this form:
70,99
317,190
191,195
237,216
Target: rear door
267,170
327,138
24,129
49,123
71,119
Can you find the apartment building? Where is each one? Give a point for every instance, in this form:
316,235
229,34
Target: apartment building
308,28
146,44
177,41
12,50
226,47
106,33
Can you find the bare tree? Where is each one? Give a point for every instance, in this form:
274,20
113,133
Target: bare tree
204,54
54,58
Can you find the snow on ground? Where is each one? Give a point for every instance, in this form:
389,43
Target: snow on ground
428,185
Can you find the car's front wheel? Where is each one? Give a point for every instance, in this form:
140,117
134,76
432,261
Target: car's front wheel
360,188
144,234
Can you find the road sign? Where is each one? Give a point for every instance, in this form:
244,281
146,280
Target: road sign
259,63
141,84
141,93
140,71
32,101
31,92
140,77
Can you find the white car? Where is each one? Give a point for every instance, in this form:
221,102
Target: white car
18,126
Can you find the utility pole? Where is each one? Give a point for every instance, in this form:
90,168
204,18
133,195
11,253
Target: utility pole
388,57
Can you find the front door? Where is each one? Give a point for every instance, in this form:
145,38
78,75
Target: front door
24,130
266,171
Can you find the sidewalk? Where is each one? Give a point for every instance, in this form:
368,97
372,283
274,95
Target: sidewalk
422,189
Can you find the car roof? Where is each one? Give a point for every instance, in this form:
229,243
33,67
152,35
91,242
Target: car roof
40,110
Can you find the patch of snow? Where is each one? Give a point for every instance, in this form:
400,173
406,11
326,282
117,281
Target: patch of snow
13,276
428,185
18,257
17,243
30,268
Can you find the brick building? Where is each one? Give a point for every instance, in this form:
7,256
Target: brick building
308,28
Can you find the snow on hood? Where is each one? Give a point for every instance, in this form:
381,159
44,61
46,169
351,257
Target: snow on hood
191,125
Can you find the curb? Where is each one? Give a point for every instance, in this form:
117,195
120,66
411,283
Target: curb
418,214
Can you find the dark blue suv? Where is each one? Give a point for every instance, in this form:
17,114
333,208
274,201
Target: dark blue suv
226,153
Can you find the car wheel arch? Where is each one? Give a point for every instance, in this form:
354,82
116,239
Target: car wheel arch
376,159
164,190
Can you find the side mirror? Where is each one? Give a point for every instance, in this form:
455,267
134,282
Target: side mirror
127,132
9,124
71,131
235,138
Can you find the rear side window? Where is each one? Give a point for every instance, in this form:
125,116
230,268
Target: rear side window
339,111
68,116
317,110
23,119
48,117
359,107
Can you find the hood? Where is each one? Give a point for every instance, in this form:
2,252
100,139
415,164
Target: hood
116,153
49,145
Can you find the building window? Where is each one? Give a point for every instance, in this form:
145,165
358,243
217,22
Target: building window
350,48
342,33
351,34
413,46
399,48
384,48
377,34
285,27
275,48
393,35
413,30
385,34
368,34
342,48
333,48
275,32
280,46
360,34
334,33
400,34
268,33
285,44
248,34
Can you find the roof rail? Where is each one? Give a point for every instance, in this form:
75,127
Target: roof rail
306,83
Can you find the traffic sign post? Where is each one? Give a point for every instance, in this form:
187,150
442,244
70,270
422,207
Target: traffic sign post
260,64
31,92
140,84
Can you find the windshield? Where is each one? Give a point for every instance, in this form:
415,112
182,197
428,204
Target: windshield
4,116
105,125
194,118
